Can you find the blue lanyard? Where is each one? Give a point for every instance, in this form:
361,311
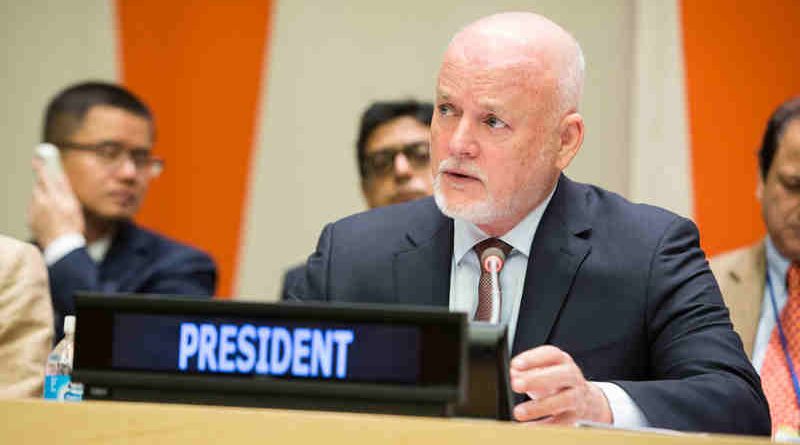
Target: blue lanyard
784,342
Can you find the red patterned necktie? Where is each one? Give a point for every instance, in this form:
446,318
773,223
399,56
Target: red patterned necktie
775,376
485,303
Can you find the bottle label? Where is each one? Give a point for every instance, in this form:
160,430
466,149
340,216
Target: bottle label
59,387
74,393
56,386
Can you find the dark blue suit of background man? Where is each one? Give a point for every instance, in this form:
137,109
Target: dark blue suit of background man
82,217
613,312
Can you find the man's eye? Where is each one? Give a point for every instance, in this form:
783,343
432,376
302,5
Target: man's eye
494,122
445,110
791,184
109,150
140,156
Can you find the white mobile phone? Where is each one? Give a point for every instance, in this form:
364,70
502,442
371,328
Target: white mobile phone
49,155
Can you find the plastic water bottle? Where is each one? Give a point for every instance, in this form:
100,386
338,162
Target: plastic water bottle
58,371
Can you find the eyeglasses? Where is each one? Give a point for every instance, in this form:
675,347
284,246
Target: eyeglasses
113,154
381,162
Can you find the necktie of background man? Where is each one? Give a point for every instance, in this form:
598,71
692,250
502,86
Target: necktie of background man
776,376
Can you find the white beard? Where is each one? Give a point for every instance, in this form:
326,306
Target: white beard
482,212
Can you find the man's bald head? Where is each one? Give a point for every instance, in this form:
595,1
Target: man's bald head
506,122
544,51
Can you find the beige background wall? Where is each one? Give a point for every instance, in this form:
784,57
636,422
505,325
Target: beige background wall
328,60
659,156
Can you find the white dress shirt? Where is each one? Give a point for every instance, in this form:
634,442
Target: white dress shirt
465,273
65,244
777,266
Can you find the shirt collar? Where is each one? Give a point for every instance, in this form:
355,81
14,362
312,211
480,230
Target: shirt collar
98,248
776,263
520,237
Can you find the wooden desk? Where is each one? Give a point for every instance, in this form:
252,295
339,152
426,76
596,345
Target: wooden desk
44,422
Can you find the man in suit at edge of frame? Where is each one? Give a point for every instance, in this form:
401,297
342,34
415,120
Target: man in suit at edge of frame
754,302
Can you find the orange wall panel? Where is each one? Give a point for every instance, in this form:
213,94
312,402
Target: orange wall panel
741,62
199,65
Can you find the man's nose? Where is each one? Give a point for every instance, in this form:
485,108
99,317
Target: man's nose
127,167
402,166
462,142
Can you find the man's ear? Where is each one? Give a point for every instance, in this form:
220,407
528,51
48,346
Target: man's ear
571,130
760,188
365,192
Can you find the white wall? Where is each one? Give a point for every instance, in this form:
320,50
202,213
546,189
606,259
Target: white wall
660,170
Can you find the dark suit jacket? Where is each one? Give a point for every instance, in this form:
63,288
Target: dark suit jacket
138,261
624,288
294,276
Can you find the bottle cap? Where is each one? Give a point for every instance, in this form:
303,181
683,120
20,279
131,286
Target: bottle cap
69,324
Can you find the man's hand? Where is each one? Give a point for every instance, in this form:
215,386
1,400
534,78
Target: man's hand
54,210
559,393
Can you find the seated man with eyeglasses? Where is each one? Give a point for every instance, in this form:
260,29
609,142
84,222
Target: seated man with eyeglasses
83,218
393,153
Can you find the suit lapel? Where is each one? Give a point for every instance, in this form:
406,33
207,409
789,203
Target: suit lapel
422,266
558,249
747,291
125,260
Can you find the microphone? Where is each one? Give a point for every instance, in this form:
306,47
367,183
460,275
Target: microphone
492,260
